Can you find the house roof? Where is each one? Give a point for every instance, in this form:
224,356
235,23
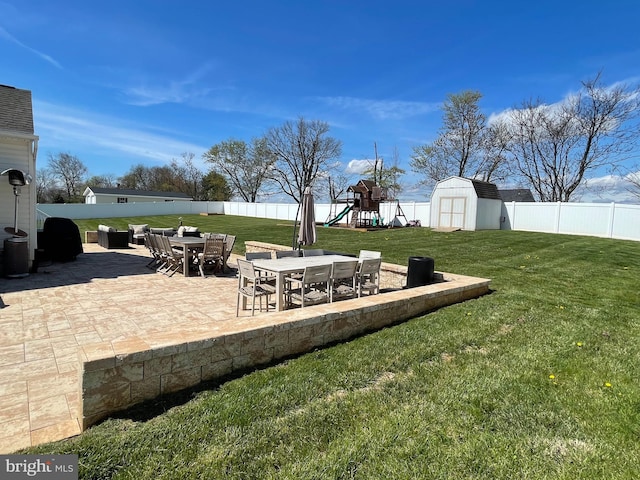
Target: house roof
130,192
517,195
16,113
486,190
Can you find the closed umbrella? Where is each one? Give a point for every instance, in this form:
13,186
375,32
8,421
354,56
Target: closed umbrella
307,232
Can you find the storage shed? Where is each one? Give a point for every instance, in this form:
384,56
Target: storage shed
465,203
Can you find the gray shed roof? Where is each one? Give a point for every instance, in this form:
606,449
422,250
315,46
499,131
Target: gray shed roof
517,195
140,193
486,190
16,113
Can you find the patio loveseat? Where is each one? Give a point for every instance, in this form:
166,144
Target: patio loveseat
109,237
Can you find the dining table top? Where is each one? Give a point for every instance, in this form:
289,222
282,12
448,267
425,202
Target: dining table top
288,264
191,241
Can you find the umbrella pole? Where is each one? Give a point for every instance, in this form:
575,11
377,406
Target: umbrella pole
295,222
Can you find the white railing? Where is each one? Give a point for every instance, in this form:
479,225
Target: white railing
611,220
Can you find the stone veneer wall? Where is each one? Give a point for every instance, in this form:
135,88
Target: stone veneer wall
110,383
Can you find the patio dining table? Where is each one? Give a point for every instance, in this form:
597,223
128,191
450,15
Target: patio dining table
283,267
190,246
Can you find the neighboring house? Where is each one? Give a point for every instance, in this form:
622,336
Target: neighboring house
465,203
93,195
516,195
18,148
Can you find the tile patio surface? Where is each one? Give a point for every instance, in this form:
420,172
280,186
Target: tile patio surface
102,296
109,301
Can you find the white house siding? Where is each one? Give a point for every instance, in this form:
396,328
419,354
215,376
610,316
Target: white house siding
16,153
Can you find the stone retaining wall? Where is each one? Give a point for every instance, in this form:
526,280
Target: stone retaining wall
111,381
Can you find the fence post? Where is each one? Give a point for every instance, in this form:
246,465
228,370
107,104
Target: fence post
612,214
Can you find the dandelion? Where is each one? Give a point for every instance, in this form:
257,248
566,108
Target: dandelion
607,385
579,344
552,376
468,314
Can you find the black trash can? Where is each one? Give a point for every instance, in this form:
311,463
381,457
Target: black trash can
16,257
419,271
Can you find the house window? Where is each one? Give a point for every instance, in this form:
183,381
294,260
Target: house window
122,199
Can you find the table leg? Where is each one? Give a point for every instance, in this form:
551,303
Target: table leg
280,292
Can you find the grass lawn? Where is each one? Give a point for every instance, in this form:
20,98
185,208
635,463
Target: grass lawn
540,379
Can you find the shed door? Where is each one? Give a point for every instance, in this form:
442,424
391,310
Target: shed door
452,212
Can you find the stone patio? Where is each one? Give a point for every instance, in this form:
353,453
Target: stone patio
82,339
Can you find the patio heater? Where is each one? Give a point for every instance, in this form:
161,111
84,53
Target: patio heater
16,248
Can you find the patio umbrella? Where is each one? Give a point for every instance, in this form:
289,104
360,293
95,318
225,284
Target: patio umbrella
307,232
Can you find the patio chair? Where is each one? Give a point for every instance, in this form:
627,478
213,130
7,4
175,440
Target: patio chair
311,289
312,252
174,257
212,254
253,286
369,254
229,242
257,255
368,276
156,257
343,280
287,253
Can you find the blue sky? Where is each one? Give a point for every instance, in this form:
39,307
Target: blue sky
121,83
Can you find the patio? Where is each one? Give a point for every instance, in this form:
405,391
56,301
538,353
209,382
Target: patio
109,327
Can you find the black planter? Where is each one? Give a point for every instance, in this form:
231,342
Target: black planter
419,271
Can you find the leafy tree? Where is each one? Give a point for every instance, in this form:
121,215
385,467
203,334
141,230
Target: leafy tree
463,147
303,151
554,146
70,172
215,187
247,167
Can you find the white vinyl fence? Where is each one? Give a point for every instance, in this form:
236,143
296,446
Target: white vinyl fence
611,220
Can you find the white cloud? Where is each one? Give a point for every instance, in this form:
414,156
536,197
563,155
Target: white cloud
178,91
381,109
44,56
63,126
359,166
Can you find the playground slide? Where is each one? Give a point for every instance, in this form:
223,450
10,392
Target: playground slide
339,217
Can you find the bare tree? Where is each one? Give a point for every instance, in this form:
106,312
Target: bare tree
633,179
70,171
188,177
303,151
463,147
387,177
45,185
554,146
246,167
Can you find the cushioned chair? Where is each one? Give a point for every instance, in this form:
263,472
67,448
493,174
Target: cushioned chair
287,253
343,280
368,276
137,233
311,289
109,237
251,285
257,255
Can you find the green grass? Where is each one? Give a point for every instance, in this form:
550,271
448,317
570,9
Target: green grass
462,392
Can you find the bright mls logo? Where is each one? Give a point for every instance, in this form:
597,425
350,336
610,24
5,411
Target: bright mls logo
49,467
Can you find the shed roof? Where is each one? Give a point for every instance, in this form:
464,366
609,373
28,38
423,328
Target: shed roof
517,195
16,113
133,193
486,190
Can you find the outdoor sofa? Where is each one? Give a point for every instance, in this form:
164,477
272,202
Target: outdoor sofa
109,237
